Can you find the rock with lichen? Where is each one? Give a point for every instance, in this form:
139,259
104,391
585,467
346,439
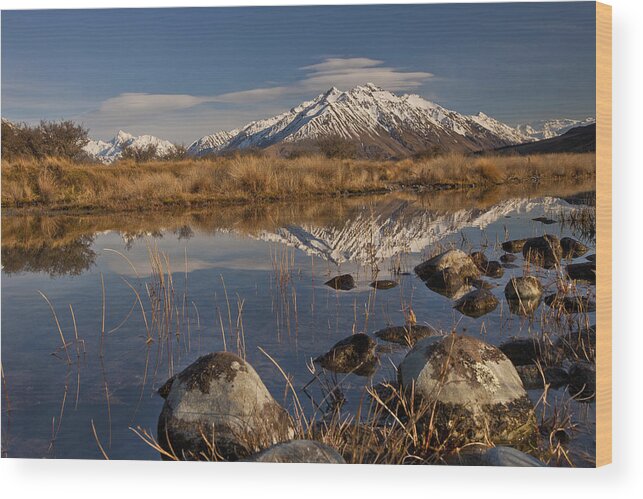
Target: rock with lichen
471,388
218,408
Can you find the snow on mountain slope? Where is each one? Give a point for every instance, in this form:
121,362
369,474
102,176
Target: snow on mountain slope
380,121
546,129
108,152
397,228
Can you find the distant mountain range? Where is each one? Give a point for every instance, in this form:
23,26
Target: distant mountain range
539,130
108,152
578,139
379,123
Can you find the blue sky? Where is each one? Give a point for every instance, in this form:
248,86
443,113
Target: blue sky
184,73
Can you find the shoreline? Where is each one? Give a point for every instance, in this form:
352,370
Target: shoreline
168,204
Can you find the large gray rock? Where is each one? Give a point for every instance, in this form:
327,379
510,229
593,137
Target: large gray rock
298,451
473,387
544,251
477,303
220,400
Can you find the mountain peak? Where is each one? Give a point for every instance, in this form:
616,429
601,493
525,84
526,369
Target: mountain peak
123,136
367,87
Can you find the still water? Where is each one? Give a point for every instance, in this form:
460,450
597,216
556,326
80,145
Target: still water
239,278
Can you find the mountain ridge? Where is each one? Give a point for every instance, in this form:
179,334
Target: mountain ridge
382,123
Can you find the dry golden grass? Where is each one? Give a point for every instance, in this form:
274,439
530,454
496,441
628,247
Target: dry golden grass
60,184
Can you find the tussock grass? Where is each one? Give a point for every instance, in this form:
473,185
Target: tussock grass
62,184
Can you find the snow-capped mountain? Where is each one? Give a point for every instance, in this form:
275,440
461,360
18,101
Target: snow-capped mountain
383,123
108,152
546,129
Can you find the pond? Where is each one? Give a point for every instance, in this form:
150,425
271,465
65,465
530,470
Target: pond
137,297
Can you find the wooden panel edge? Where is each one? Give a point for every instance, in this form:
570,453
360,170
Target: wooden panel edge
603,234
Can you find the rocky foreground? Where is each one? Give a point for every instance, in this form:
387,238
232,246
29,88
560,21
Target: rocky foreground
459,399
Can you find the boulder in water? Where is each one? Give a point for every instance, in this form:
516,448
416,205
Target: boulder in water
508,258
406,335
514,246
544,251
585,271
477,303
572,248
218,406
457,260
344,282
472,388
355,354
571,304
383,284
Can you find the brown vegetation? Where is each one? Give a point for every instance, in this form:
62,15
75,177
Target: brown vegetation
57,183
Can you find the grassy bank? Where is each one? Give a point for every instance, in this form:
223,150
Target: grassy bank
59,184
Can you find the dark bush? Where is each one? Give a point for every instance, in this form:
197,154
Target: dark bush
336,147
62,139
140,154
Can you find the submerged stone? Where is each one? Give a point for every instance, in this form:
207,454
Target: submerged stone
582,381
494,269
585,271
572,248
521,351
477,303
508,258
406,335
571,304
343,282
532,377
544,220
355,354
514,246
544,251
383,284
